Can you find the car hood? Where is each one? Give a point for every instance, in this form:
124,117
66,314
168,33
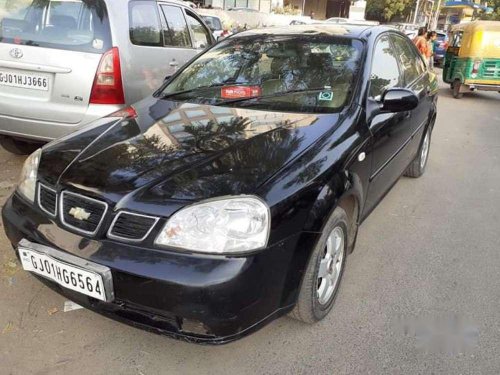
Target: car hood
180,151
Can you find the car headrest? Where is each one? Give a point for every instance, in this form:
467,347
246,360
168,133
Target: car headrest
65,22
320,60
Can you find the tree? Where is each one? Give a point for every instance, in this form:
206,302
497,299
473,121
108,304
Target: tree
495,15
386,10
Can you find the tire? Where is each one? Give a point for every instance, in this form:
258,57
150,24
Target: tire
456,86
312,306
17,147
417,166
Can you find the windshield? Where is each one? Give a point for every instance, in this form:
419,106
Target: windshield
294,73
79,25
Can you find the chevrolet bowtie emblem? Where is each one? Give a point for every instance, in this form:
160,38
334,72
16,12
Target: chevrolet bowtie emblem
79,213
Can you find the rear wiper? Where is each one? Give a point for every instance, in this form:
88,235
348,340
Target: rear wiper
318,89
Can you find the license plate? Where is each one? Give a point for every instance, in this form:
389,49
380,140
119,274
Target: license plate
24,80
67,275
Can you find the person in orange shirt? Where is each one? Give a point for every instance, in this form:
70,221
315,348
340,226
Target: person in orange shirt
420,42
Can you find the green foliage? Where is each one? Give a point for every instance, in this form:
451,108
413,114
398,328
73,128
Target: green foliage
288,9
386,10
495,15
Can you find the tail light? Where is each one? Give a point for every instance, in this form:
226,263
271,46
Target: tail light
475,67
128,112
108,85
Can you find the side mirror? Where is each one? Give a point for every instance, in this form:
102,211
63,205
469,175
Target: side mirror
398,100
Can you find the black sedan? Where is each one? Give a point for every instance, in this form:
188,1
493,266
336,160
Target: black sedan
233,195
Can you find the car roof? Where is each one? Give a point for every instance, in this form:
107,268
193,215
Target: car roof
207,15
345,30
176,2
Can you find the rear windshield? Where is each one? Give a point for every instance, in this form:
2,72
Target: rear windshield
292,73
77,25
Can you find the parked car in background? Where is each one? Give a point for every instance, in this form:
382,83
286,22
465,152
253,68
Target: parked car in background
233,195
337,20
65,63
407,28
216,26
441,44
243,9
305,21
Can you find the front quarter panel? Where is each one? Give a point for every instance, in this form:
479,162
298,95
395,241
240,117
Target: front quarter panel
303,195
304,192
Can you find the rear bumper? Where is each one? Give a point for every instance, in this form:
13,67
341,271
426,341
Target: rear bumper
438,57
475,85
196,298
39,130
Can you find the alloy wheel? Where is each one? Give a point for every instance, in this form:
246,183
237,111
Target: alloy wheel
330,266
425,150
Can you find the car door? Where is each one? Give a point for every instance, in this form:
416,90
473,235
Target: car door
145,64
416,78
177,35
391,132
200,33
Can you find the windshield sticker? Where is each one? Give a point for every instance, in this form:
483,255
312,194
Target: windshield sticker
98,43
325,96
237,92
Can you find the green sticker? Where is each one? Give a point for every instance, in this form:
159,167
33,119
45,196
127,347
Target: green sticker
326,96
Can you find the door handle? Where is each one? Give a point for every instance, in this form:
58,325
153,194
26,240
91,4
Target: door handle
174,63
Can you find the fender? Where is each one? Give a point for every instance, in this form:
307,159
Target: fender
342,186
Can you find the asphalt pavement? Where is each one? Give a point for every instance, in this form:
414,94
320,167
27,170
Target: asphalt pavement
421,293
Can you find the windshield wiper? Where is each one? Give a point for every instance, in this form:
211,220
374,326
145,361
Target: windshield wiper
221,84
170,94
276,94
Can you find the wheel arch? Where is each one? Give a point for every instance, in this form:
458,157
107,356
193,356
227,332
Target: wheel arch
344,190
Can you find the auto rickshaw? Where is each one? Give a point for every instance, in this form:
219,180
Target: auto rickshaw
472,60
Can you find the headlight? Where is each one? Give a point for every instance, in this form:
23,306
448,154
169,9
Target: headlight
27,181
226,225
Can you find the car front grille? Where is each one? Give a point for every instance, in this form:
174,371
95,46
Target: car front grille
132,227
81,213
47,199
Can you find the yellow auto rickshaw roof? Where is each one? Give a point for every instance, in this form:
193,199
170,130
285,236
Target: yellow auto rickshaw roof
481,39
477,26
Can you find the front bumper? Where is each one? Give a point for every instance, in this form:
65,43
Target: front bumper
197,298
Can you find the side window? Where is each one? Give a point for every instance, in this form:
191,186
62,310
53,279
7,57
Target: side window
177,32
145,29
410,61
201,36
385,69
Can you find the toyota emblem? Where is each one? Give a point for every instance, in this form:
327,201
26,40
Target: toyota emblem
16,53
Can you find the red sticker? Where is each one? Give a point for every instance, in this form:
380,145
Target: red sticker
236,92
